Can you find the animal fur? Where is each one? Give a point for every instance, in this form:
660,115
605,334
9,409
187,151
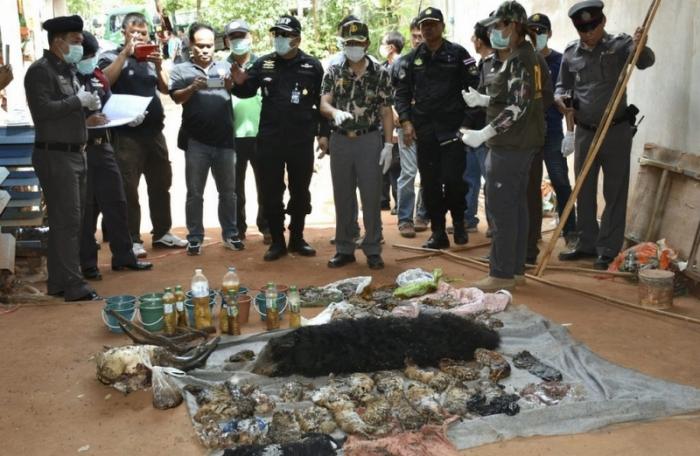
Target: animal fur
373,344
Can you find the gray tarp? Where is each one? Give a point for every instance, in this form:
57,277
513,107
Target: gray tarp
611,394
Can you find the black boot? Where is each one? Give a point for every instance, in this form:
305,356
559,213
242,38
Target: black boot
298,245
438,240
277,249
460,233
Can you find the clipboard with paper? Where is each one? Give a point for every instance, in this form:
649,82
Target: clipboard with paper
121,109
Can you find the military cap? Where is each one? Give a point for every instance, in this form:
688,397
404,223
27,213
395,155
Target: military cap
586,15
287,23
354,31
430,14
539,22
236,26
508,11
64,24
90,44
347,19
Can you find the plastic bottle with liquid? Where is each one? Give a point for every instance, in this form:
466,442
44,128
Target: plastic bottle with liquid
230,283
294,304
271,310
180,297
200,300
169,312
234,327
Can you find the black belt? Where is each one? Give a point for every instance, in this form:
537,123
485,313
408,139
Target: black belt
63,147
617,121
355,133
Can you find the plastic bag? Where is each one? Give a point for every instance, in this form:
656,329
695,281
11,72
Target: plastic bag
419,287
413,275
410,310
166,393
352,286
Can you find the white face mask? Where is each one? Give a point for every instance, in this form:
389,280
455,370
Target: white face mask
354,53
384,51
542,39
283,45
240,46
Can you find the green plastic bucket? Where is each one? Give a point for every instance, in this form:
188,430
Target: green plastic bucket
189,307
124,305
260,305
151,311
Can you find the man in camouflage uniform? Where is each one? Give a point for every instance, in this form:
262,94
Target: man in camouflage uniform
589,72
357,95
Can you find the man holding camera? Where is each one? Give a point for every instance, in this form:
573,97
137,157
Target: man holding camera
203,88
140,146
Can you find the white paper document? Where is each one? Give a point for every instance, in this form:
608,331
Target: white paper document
122,109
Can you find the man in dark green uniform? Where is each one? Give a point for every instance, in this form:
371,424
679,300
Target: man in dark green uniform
56,103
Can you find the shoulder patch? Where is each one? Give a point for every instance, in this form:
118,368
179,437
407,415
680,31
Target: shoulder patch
571,44
418,62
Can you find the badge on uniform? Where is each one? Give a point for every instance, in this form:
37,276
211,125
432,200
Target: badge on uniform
418,61
268,65
296,95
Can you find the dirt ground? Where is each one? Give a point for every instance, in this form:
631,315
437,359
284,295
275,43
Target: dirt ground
52,404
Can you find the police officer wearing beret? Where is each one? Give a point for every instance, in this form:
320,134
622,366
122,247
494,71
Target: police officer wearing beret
435,74
589,73
105,191
290,81
56,103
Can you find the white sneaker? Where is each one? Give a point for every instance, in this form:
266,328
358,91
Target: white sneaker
139,251
169,240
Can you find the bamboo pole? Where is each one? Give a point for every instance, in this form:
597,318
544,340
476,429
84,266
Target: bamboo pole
601,132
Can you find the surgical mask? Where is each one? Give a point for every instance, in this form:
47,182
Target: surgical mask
282,45
384,51
87,66
354,53
541,41
498,41
75,53
240,46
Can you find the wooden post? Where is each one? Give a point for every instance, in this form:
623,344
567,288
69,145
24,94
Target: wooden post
601,132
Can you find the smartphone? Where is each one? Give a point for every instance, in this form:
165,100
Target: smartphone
215,83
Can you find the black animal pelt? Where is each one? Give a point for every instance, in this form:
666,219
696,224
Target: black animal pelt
373,344
312,444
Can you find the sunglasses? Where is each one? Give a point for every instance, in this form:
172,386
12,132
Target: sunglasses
284,34
583,28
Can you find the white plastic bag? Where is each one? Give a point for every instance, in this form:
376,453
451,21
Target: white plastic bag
166,393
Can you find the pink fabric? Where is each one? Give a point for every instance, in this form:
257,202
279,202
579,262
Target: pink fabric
431,440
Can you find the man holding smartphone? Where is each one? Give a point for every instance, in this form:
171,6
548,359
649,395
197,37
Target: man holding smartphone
203,88
136,68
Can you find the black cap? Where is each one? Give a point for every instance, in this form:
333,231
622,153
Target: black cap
354,31
539,22
288,24
430,14
90,44
508,11
587,15
237,25
64,24
347,19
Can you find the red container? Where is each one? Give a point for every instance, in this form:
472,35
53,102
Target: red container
142,51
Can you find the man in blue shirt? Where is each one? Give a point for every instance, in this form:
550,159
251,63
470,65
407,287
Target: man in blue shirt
557,167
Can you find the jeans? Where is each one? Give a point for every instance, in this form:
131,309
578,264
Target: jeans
558,171
476,167
199,158
406,183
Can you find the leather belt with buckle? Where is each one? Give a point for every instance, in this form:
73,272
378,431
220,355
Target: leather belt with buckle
615,122
63,147
355,133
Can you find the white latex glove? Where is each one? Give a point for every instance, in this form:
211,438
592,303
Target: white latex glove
138,120
341,116
475,138
567,145
474,98
89,100
385,157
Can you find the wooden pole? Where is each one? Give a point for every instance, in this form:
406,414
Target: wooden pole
601,132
